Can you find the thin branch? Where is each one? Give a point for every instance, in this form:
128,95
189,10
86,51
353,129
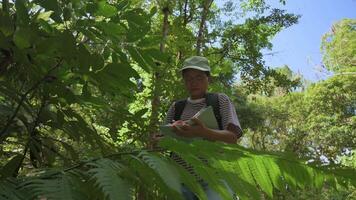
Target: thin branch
16,172
3,133
200,37
37,120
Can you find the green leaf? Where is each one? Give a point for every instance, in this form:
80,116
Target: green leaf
261,176
166,171
112,29
150,179
138,23
61,187
142,59
9,190
22,37
68,45
157,55
239,186
190,182
105,9
45,15
123,4
115,77
274,173
6,24
11,167
153,11
107,177
52,5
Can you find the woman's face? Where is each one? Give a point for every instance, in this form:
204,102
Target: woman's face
196,82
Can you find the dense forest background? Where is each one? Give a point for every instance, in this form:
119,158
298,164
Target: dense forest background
85,84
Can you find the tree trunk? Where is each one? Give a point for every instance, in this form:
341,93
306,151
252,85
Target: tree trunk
165,27
187,12
155,102
156,80
200,37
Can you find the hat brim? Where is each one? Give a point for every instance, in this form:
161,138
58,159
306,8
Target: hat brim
195,67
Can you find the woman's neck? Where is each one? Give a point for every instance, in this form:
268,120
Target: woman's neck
197,97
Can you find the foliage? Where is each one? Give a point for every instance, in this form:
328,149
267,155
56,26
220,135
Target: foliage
339,46
247,172
79,80
326,110
67,66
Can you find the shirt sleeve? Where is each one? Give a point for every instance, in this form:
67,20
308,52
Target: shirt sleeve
228,114
170,115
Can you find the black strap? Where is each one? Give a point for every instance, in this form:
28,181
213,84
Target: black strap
212,99
178,108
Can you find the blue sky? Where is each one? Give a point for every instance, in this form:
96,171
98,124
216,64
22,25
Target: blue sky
299,45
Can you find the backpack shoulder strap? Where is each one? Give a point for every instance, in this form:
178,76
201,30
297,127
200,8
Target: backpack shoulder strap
178,108
212,99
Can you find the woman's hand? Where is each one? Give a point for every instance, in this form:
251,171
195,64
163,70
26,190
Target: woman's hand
184,129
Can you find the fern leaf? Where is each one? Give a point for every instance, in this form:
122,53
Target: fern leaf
186,151
289,173
59,187
164,169
260,175
239,186
11,167
274,173
246,175
105,172
254,169
209,174
149,181
8,190
190,182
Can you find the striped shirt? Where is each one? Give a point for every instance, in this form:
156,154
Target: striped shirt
227,111
228,118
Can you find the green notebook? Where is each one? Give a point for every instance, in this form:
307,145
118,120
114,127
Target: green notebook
206,115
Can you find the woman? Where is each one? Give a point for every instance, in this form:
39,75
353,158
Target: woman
196,76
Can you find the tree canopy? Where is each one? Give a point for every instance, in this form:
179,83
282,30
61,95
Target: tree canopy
85,84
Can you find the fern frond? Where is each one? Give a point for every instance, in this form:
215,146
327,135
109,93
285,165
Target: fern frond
149,181
61,186
248,171
245,174
189,181
164,169
9,191
260,175
239,186
274,173
106,174
208,173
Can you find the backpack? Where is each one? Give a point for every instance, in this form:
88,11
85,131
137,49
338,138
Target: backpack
212,99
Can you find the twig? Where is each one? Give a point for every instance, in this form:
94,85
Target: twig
3,133
22,159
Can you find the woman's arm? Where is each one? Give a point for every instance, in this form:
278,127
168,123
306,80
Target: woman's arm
200,130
